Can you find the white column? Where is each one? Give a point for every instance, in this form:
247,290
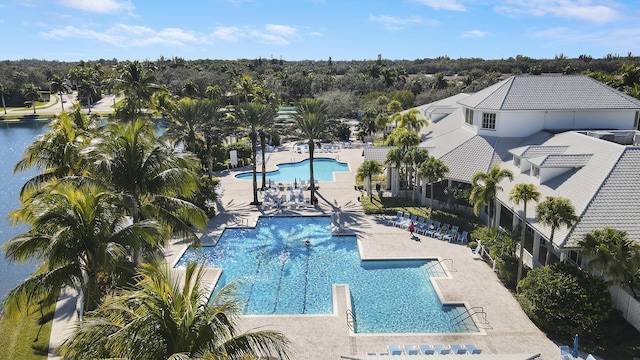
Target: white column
514,223
423,197
535,252
395,185
497,214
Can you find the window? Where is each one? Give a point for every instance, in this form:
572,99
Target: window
516,161
636,122
468,116
489,121
535,171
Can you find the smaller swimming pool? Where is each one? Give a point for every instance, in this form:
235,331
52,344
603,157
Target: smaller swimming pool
323,169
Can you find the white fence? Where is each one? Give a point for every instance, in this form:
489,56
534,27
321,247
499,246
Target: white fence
625,302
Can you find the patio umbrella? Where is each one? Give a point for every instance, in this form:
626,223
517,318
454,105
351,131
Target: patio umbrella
295,183
574,353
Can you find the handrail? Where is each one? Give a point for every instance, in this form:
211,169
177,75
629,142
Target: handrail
469,313
351,320
440,263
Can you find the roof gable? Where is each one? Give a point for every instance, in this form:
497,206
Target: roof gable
551,92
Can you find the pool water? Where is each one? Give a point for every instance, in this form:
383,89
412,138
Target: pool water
323,169
280,274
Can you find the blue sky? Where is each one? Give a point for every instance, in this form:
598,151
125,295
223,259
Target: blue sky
70,30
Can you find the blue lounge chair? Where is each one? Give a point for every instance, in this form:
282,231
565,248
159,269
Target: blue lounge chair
395,219
404,219
472,349
394,350
434,229
424,227
426,349
463,237
441,349
457,349
411,349
443,230
412,219
452,234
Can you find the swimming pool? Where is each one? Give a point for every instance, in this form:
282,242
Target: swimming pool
323,169
280,274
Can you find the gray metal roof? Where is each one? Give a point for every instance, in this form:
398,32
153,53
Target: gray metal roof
531,151
561,160
551,92
616,202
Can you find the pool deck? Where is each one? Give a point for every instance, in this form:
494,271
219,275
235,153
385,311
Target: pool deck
471,281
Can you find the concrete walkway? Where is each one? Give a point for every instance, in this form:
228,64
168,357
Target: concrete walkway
470,280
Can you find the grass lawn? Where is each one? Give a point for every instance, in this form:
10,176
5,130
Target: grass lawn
26,336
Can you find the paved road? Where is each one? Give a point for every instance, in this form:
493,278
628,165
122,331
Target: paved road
104,105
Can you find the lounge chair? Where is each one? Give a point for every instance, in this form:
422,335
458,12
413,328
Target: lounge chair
404,218
395,219
564,350
590,357
457,349
412,219
462,238
451,234
424,227
472,349
426,349
411,349
440,349
394,350
434,229
443,230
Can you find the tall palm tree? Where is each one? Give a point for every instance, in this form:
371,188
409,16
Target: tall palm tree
311,118
31,93
413,158
523,193
253,116
137,81
213,93
165,316
555,212
57,153
3,91
395,158
412,120
367,170
190,89
485,189
245,88
152,180
59,85
187,121
433,170
82,234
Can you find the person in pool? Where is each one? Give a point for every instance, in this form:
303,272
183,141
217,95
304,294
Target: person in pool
307,242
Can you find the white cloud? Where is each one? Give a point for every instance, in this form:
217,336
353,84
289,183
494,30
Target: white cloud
598,12
473,34
623,39
98,6
123,35
395,23
452,5
271,34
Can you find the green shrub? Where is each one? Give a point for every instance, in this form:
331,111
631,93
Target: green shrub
564,300
507,267
473,245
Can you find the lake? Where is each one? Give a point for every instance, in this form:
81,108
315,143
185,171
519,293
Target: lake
14,138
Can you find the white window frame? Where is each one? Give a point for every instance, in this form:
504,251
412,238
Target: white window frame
636,121
468,116
489,121
516,161
535,171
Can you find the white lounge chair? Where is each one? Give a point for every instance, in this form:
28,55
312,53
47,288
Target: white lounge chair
426,349
440,349
410,349
457,349
472,349
462,238
394,350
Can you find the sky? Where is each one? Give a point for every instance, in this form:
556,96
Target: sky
72,30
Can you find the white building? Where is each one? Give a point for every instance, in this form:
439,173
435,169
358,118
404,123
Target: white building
570,135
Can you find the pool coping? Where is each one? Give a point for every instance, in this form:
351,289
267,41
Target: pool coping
277,168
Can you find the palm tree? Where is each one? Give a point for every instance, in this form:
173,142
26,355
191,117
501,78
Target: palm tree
395,157
213,93
165,316
613,253
253,117
555,212
523,193
413,158
138,84
82,235
3,92
311,118
367,170
187,121
412,121
485,189
246,88
433,170
31,93
59,85
57,153
265,130
190,89
152,180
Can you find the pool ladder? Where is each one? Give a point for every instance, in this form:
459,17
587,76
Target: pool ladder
440,263
351,320
469,313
